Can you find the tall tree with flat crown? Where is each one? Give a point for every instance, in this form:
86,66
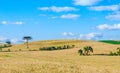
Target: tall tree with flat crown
27,38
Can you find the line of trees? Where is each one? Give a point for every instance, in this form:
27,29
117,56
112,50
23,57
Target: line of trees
57,47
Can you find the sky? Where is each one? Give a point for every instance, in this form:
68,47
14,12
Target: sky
59,19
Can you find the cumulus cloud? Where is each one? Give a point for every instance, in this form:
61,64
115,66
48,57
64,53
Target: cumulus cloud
86,2
105,8
114,16
68,34
91,36
58,9
16,23
70,16
109,27
14,40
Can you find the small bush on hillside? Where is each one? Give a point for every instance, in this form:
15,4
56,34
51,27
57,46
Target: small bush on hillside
118,51
0,49
73,46
80,51
20,49
9,50
57,48
115,53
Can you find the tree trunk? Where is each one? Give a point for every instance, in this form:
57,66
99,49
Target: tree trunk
27,44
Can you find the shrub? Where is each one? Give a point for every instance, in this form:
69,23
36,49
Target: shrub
115,53
59,48
64,47
9,50
73,46
80,51
0,49
20,49
118,51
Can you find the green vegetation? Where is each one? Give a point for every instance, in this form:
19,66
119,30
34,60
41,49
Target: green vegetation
110,41
5,46
87,50
116,53
57,47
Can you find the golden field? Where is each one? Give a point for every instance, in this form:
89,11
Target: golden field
59,61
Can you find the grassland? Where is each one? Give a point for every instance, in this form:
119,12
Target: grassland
59,61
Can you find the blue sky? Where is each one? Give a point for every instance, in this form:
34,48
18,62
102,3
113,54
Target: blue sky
63,19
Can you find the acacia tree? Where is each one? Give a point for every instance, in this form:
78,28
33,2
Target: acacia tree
27,38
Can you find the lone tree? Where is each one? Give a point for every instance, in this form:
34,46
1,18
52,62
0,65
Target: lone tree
27,38
87,50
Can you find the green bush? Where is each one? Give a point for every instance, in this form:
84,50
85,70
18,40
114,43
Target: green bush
20,49
115,53
80,51
9,50
56,48
0,49
87,50
118,51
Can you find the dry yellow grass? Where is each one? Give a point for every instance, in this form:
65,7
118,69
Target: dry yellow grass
59,61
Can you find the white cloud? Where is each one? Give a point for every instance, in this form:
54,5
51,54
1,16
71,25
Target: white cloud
16,23
2,39
109,27
70,16
58,9
12,40
105,8
68,34
91,36
3,22
86,2
114,16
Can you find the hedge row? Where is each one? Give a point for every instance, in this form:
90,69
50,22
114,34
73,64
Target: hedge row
57,47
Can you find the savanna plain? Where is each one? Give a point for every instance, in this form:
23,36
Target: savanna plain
30,60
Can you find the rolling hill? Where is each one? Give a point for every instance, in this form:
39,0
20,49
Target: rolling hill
99,47
59,61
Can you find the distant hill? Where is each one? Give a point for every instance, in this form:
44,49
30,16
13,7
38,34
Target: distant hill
99,47
111,41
